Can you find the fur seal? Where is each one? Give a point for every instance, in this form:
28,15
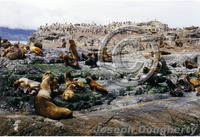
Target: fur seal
43,102
15,53
27,85
95,86
36,50
69,80
73,50
69,61
68,94
189,65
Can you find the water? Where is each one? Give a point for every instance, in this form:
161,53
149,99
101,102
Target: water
22,42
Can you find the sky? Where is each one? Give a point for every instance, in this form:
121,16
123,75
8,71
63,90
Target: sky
31,14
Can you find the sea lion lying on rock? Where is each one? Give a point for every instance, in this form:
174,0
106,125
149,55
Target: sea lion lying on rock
36,50
183,82
6,45
95,86
44,105
24,48
174,89
189,64
30,86
69,80
68,94
69,61
15,52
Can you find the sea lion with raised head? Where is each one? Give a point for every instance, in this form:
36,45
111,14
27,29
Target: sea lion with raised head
68,94
73,50
44,105
95,86
36,50
27,85
69,80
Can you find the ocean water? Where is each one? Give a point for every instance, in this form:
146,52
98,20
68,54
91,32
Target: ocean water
22,42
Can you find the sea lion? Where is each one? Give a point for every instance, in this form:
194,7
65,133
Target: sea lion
178,43
55,85
198,91
73,50
15,53
27,85
92,60
69,80
95,86
69,61
68,94
24,48
38,44
44,105
6,45
36,50
195,82
189,64
174,89
106,56
183,82
154,78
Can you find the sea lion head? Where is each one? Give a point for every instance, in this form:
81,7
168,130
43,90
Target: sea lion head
146,70
88,79
71,41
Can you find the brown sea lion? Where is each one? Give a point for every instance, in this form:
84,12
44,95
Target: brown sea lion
106,56
183,82
27,85
92,60
6,45
36,50
189,64
174,89
178,43
69,80
55,85
15,53
69,61
24,48
44,105
73,50
198,91
38,44
68,94
95,86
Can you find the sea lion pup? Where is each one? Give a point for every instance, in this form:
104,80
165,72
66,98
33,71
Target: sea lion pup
106,56
69,80
43,102
38,44
189,64
174,89
95,86
183,82
73,50
69,61
36,50
27,85
68,94
15,53
154,78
